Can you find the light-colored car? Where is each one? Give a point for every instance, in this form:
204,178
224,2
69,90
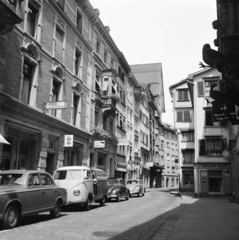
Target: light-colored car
84,185
136,187
117,189
27,192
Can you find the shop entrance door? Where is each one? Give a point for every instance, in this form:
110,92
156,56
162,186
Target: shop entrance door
215,181
50,163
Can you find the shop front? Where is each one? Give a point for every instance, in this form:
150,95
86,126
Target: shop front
120,167
215,179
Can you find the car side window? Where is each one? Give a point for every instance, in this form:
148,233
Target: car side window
33,180
45,180
89,175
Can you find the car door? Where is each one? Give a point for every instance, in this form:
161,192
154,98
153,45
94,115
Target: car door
50,190
88,182
36,195
123,187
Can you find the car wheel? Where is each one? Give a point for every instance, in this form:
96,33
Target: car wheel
11,217
119,197
87,205
138,194
142,193
127,196
56,212
102,201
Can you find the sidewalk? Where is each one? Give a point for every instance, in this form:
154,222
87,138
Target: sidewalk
201,219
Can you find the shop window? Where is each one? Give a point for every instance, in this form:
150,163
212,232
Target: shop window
79,21
59,40
188,179
32,20
188,156
183,95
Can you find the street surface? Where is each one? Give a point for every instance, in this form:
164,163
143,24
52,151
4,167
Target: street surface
137,218
156,216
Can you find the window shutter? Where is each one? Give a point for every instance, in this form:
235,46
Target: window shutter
179,116
187,116
180,95
224,144
200,89
185,95
202,147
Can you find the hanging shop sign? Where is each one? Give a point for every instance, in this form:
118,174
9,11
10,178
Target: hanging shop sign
55,105
99,144
225,113
68,140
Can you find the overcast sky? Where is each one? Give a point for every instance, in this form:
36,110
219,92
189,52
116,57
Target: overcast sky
171,32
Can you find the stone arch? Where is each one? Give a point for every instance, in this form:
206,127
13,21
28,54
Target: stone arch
32,51
58,71
77,87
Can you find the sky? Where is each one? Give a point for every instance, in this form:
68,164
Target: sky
170,32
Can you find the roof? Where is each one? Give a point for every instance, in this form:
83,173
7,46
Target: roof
151,74
73,167
178,83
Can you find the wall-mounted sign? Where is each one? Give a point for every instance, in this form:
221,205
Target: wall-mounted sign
99,144
55,105
68,140
226,154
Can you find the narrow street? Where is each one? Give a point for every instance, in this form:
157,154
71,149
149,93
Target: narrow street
138,218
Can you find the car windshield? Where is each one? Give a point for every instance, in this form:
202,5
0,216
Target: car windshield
113,182
68,175
12,179
132,182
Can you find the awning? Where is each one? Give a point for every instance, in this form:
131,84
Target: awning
3,140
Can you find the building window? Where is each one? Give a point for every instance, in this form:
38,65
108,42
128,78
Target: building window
98,46
55,93
212,146
59,44
188,136
27,82
209,121
183,116
98,82
78,62
32,18
76,100
112,63
188,178
183,95
79,22
188,156
105,56
208,85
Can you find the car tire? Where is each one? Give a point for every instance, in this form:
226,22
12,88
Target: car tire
102,201
11,217
143,194
56,212
127,196
87,204
138,194
119,197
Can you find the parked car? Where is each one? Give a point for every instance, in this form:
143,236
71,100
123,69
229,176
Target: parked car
136,187
84,185
117,189
27,192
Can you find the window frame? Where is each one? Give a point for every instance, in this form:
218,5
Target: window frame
183,99
183,115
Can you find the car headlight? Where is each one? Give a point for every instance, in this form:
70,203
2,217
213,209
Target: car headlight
114,192
76,192
136,189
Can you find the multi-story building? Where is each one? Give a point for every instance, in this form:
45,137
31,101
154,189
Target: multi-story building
170,174
150,79
45,86
210,171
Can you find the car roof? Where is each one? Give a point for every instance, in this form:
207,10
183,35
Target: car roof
22,171
73,168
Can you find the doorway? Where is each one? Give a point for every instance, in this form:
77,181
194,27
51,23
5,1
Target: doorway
50,163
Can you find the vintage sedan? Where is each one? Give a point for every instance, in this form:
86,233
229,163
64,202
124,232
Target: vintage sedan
136,187
27,192
117,189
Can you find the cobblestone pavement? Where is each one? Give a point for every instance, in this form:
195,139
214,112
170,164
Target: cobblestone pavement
150,217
